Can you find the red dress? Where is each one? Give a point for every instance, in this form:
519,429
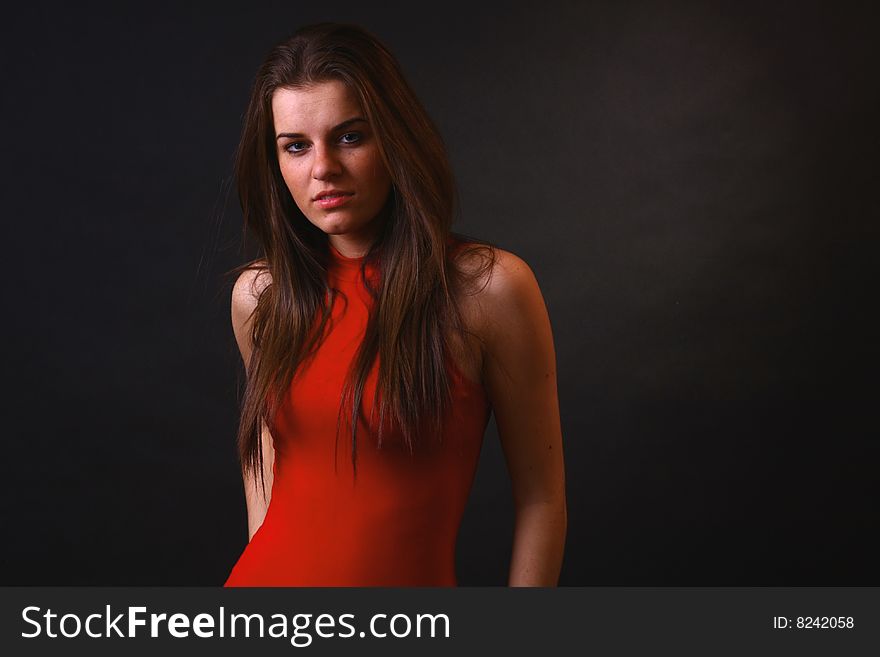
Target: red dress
395,524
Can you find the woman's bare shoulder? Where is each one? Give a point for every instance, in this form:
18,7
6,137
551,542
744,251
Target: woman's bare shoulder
504,293
492,273
249,286
498,287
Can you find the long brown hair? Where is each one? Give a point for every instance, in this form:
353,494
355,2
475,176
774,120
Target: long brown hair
415,297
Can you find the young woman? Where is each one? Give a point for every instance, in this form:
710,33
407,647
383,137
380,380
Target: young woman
376,341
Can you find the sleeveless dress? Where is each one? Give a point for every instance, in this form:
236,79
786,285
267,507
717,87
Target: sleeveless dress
396,523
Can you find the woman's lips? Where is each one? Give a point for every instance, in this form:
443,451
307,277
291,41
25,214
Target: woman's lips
333,201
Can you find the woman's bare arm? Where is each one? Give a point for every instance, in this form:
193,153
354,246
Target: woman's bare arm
519,370
257,502
245,294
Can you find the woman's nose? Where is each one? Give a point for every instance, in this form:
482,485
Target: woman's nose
325,163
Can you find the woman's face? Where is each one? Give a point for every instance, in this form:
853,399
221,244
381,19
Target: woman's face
325,144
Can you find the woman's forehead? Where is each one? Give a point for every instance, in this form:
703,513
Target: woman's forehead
317,107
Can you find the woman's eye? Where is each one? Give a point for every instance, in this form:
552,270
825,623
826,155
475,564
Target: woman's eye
351,137
294,147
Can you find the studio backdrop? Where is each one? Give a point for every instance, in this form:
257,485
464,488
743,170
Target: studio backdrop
693,185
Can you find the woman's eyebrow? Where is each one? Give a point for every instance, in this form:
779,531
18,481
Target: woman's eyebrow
341,126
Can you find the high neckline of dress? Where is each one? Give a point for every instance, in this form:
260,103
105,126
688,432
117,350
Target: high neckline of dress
345,268
344,259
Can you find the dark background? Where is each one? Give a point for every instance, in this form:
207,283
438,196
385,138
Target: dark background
694,187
